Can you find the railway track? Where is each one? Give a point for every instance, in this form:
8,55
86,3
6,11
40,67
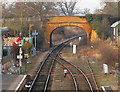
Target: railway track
81,83
41,80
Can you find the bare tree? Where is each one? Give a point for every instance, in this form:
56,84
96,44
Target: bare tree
110,8
31,13
68,8
30,9
86,11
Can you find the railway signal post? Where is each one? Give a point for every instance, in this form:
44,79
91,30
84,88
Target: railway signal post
20,60
20,57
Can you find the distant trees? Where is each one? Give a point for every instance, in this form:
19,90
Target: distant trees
110,8
101,24
103,18
20,15
27,46
86,11
68,8
27,9
105,27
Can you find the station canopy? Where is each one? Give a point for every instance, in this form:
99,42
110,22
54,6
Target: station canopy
3,30
115,24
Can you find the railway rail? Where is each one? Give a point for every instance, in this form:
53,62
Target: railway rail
72,75
81,83
41,81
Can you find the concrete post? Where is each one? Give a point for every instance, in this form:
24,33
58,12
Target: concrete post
105,68
74,49
79,38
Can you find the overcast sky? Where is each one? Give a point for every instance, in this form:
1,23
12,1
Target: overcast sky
90,4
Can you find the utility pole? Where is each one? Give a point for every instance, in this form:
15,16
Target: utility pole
3,14
30,29
20,52
21,14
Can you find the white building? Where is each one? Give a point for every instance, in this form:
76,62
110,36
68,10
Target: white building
116,30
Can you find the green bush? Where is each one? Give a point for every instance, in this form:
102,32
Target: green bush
100,23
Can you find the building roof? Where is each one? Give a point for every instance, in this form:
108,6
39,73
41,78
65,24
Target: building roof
10,40
3,29
115,24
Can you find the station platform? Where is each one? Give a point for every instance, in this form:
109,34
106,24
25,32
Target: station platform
12,82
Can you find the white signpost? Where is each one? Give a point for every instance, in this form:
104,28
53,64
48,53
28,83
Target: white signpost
105,68
74,49
34,33
79,38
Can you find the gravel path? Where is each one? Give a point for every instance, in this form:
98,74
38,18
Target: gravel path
61,83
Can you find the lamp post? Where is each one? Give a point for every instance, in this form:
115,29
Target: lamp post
2,30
